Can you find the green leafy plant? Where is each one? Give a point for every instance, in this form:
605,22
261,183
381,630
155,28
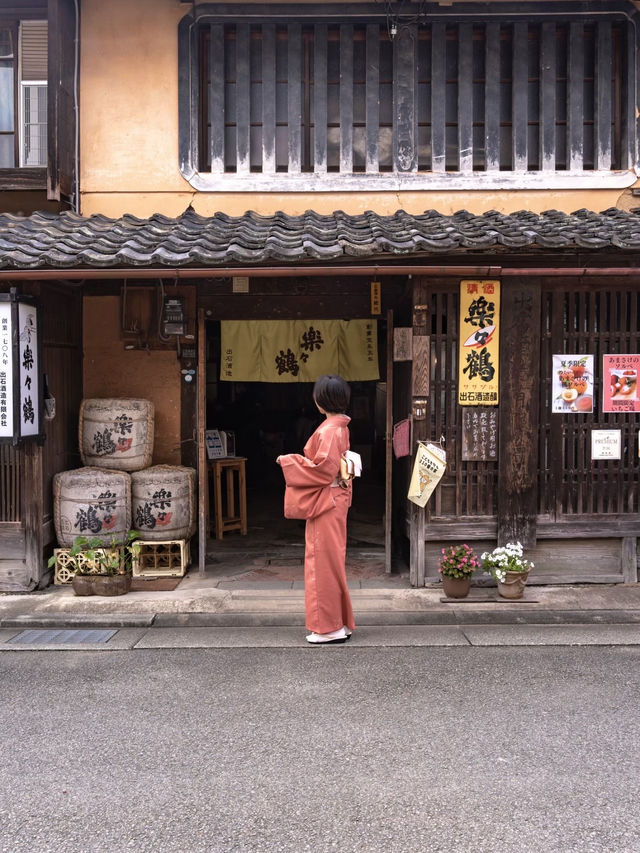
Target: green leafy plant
506,558
458,561
91,556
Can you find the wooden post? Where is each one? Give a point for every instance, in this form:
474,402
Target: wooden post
417,515
388,485
519,412
32,513
629,559
203,484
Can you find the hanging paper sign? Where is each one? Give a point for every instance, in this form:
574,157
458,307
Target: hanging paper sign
606,444
428,470
572,383
479,344
21,410
402,438
298,350
620,383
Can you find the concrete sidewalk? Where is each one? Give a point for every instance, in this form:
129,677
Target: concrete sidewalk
202,601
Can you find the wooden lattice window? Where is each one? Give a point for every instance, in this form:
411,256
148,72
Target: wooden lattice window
600,321
327,102
468,489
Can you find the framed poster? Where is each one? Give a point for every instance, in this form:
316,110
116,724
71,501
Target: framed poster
572,384
478,375
620,383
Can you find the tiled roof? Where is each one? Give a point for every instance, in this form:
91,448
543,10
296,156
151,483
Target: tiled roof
64,240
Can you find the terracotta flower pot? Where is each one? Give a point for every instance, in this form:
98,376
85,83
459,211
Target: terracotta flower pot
101,584
513,585
456,587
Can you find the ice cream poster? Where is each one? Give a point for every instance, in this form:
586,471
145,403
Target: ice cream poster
572,384
620,383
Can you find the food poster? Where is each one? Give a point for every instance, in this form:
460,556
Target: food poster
620,383
479,343
572,384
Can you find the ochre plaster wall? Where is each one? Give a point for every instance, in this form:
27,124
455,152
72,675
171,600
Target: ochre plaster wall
112,371
129,134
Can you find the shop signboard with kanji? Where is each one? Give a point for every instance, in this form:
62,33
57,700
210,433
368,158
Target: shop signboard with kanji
20,385
620,383
478,358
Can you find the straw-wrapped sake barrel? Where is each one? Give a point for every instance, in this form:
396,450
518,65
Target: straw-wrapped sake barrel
116,433
163,502
91,502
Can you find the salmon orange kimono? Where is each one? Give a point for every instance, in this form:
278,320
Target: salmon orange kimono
312,487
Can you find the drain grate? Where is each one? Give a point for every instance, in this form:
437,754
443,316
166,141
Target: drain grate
57,636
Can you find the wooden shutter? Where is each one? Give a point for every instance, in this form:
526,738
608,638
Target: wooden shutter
61,118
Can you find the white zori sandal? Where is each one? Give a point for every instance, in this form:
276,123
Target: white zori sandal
339,636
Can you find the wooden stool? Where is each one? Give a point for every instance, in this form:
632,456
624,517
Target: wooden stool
235,517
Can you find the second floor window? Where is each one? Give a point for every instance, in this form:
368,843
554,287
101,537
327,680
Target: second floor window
23,94
329,101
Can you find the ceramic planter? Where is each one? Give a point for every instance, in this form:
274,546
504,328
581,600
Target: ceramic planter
101,584
456,587
513,585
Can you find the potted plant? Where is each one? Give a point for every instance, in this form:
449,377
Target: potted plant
510,569
457,564
99,568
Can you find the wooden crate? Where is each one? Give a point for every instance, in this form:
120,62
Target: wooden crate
162,559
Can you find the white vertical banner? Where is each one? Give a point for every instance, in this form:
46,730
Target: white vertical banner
6,372
29,369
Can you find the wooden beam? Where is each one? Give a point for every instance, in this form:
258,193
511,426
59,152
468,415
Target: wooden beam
438,103
268,99
373,98
575,97
33,511
405,148
243,99
216,97
520,98
320,44
417,515
294,103
548,98
492,98
602,142
519,411
465,98
346,98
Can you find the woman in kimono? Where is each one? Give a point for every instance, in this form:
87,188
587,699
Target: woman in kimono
316,492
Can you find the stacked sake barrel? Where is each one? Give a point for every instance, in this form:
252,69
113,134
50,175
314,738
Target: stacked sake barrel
118,489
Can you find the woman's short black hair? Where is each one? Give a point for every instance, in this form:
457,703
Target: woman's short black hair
332,393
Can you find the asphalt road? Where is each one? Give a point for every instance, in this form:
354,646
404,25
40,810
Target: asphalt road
350,748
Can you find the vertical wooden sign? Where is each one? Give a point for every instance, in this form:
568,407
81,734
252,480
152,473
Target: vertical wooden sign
376,298
402,344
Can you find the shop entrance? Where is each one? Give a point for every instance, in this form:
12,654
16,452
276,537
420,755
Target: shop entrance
266,419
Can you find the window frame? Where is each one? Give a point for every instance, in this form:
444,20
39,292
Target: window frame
20,177
190,117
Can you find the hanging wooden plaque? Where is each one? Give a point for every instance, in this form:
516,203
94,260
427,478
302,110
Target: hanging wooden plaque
402,339
479,434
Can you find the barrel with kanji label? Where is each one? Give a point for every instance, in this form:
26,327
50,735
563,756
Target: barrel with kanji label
116,433
91,502
163,502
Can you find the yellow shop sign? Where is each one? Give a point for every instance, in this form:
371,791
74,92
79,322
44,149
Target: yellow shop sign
479,343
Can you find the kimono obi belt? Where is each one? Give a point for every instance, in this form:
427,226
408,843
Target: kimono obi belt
307,501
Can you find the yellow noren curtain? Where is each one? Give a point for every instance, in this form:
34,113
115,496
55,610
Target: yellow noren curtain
298,350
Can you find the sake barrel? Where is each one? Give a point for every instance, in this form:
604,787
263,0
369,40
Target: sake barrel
163,502
91,502
116,434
